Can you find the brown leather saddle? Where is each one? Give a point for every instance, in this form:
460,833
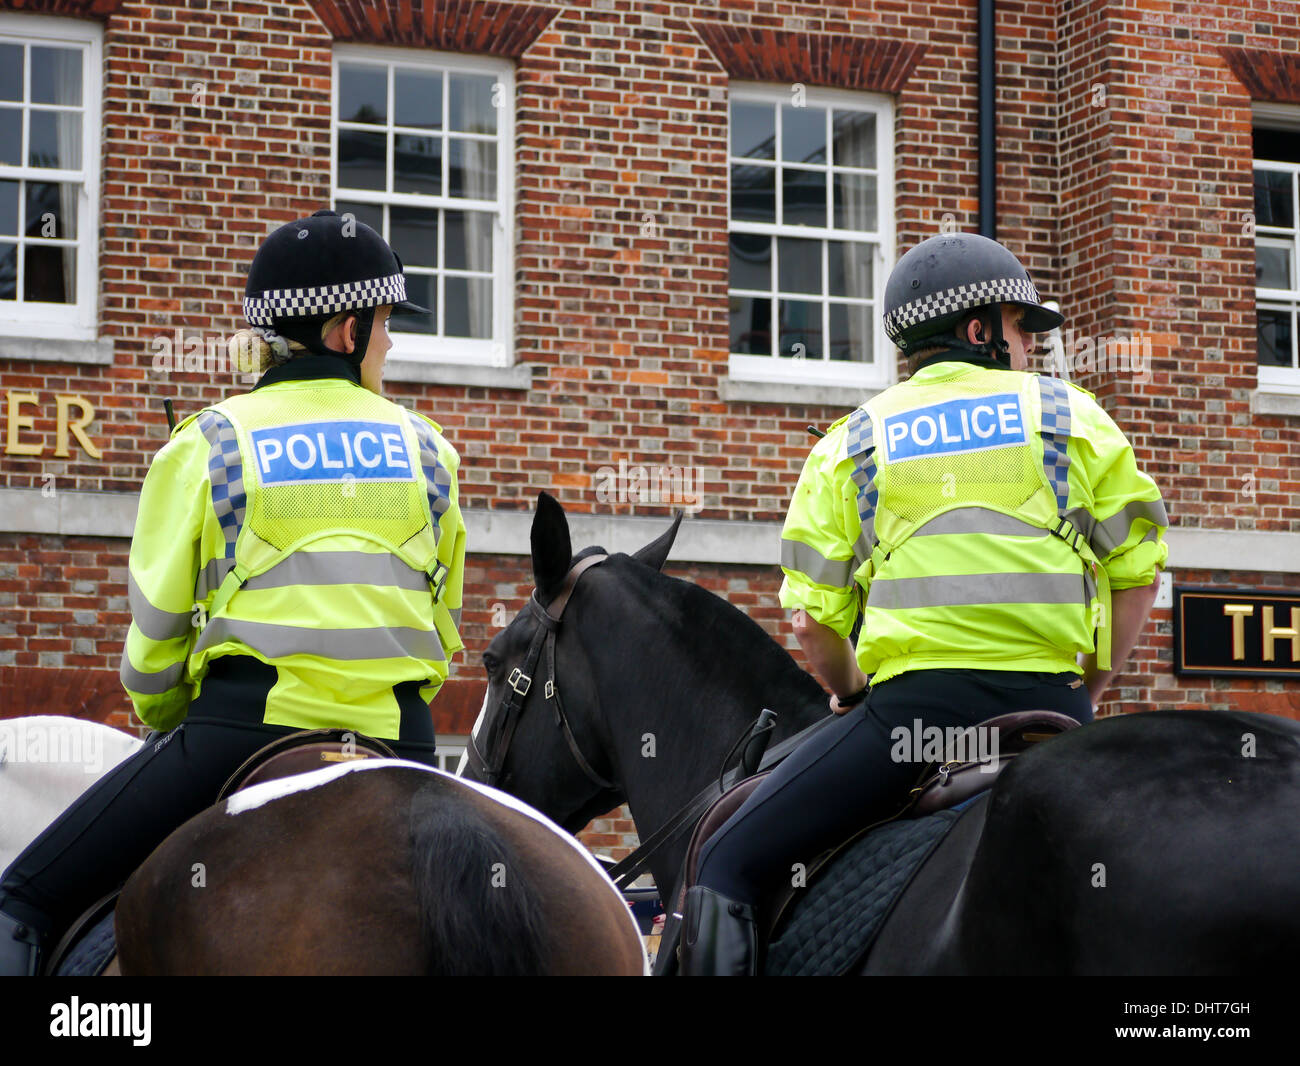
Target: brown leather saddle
940,786
295,753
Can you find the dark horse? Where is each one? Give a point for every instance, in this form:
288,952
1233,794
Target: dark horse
374,867
1162,843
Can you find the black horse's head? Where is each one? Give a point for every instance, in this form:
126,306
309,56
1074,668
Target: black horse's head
541,734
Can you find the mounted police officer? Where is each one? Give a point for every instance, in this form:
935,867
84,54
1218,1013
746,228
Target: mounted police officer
992,529
297,563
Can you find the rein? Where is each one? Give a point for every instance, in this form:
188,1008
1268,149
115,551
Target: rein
520,682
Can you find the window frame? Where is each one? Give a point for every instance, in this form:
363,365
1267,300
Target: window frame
499,351
77,321
1277,379
774,369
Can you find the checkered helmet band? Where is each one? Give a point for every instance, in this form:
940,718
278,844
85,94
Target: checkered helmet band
954,301
323,301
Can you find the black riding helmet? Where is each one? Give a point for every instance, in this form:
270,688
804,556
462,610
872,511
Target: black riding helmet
307,271
944,278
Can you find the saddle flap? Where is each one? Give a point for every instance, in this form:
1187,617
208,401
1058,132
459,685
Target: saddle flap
302,752
712,820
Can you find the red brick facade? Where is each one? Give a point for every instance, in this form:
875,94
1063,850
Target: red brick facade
1124,182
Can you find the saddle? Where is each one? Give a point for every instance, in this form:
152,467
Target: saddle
87,949
941,786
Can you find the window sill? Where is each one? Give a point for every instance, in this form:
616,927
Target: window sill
51,350
519,376
1264,402
845,397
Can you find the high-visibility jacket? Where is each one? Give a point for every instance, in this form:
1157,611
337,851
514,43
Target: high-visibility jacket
978,518
313,525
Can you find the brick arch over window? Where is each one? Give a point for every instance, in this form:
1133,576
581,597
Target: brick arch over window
833,61
483,28
1268,76
84,8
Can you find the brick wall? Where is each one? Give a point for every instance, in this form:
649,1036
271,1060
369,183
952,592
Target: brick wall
1124,178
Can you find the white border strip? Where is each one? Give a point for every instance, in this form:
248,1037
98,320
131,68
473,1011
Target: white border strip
112,514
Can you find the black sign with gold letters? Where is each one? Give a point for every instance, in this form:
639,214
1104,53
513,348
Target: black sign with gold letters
1237,632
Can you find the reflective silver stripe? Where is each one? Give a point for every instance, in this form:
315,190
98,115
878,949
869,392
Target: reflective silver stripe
455,616
814,565
1114,531
276,642
340,568
211,577
971,589
154,623
978,520
150,684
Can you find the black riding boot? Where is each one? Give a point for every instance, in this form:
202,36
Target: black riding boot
719,936
20,947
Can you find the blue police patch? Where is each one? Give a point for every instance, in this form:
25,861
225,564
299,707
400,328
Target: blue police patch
955,426
332,451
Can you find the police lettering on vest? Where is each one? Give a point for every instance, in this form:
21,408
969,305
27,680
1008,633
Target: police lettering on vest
964,425
331,451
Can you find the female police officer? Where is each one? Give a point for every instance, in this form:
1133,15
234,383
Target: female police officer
986,515
296,564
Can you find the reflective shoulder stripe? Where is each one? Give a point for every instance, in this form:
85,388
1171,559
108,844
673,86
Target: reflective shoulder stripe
1054,425
807,560
1114,531
339,568
211,577
153,622
155,684
860,446
436,476
978,520
278,642
226,475
960,590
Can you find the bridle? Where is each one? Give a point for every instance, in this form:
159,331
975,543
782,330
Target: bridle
520,681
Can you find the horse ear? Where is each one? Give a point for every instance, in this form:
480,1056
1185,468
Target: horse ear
656,552
552,550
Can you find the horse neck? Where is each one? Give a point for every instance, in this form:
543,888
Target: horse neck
679,688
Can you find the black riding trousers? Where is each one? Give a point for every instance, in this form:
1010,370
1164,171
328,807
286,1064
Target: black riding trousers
95,845
844,777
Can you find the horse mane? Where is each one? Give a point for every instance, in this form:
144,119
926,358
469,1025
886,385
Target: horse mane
479,929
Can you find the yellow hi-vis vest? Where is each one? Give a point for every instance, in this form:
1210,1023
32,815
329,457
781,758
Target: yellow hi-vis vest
312,525
984,513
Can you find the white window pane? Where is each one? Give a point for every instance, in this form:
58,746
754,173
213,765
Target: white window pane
751,262
370,214
417,164
851,332
56,76
801,329
803,197
799,265
851,265
470,107
413,233
856,200
8,271
363,159
363,94
1274,332
1273,266
1274,205
472,169
854,139
421,289
49,274
417,98
9,208
11,72
54,139
469,307
11,136
753,193
751,325
803,134
51,209
469,241
753,130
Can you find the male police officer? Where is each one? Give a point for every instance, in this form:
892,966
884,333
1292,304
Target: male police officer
985,523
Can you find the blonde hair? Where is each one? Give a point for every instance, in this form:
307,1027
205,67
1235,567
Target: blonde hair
252,350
